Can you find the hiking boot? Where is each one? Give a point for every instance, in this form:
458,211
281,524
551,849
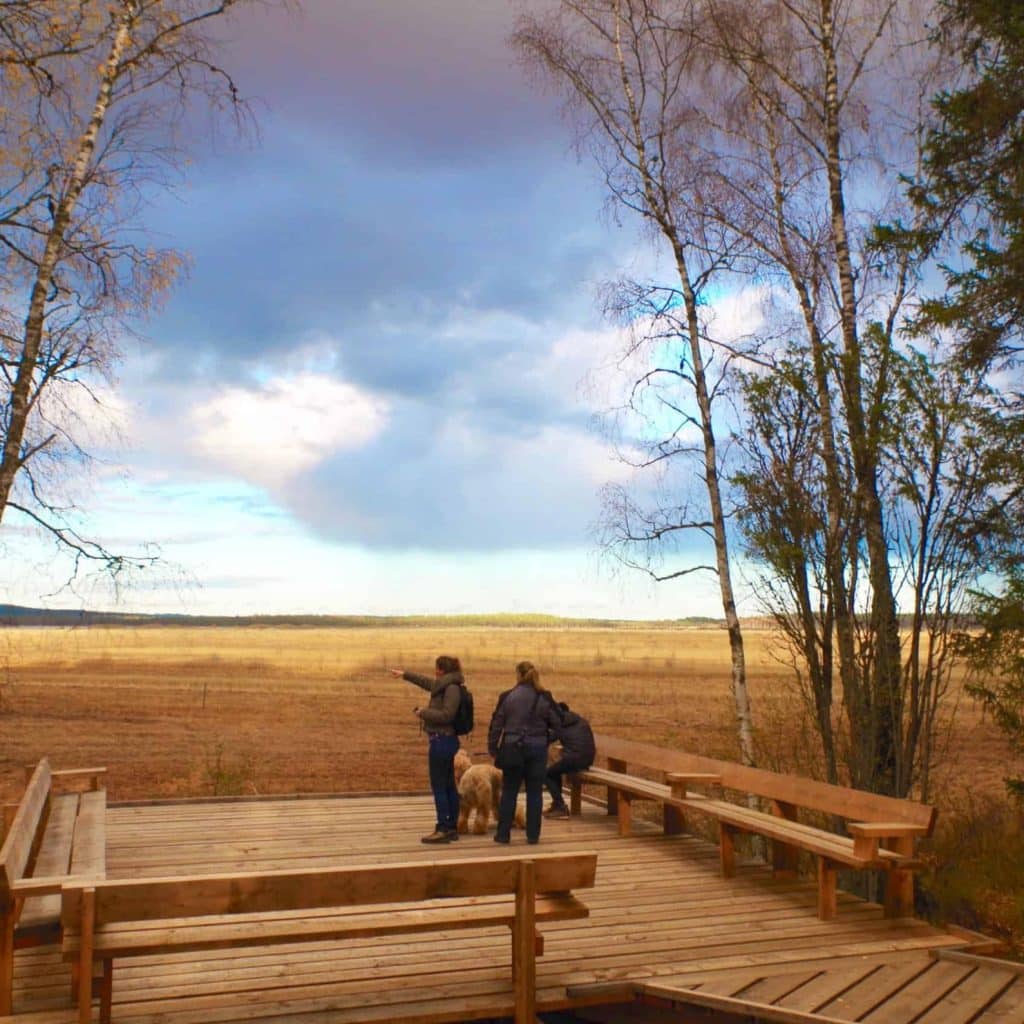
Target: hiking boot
556,811
452,834
437,836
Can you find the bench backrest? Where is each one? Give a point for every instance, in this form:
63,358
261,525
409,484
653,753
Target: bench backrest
851,804
268,891
25,829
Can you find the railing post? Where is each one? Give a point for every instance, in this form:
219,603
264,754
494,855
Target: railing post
615,765
524,954
85,949
625,802
727,849
899,885
672,817
6,960
826,889
785,858
575,796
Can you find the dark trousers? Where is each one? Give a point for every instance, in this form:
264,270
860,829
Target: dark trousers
441,762
565,765
532,773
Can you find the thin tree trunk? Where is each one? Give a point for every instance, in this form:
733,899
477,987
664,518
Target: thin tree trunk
834,497
885,689
659,205
22,398
740,694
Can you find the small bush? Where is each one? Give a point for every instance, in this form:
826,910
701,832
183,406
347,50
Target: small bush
227,775
973,875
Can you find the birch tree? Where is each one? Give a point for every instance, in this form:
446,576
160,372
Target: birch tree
94,99
630,70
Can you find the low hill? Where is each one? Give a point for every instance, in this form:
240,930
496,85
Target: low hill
17,615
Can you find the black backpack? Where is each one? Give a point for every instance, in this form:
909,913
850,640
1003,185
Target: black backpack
462,723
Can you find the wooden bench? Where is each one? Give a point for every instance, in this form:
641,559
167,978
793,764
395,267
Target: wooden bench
104,921
882,830
49,837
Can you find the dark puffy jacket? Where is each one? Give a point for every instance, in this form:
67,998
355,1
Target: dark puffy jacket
577,738
524,711
439,714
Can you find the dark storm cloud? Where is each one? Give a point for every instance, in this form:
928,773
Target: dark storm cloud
404,165
377,257
434,83
415,217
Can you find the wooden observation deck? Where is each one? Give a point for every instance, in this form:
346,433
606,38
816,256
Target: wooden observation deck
665,929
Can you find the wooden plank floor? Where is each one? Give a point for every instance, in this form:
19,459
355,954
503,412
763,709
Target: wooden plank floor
660,916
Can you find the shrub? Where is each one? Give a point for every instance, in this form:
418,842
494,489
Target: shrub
227,775
973,871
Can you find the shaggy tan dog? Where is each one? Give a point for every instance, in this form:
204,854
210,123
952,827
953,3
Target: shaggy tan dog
479,791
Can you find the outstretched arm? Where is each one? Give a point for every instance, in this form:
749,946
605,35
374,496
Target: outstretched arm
412,677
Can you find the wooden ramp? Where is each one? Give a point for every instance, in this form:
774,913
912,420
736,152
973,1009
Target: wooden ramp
664,928
894,988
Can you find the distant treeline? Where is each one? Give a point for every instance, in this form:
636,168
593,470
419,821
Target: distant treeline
16,615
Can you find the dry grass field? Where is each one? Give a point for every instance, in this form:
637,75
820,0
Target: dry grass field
177,711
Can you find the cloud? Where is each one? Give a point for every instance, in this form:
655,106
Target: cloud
478,437
271,434
738,314
392,303
454,486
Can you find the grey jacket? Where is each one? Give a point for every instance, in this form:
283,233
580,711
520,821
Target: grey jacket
439,714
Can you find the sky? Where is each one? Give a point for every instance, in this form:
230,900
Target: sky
370,394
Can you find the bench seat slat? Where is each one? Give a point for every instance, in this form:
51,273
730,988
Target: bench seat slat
882,828
53,860
193,934
55,850
89,851
814,840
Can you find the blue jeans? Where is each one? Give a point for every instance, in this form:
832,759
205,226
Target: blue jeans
532,773
563,766
440,761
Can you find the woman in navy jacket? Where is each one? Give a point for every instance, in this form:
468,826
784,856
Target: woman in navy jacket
528,713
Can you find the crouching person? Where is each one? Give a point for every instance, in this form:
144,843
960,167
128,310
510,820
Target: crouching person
578,750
